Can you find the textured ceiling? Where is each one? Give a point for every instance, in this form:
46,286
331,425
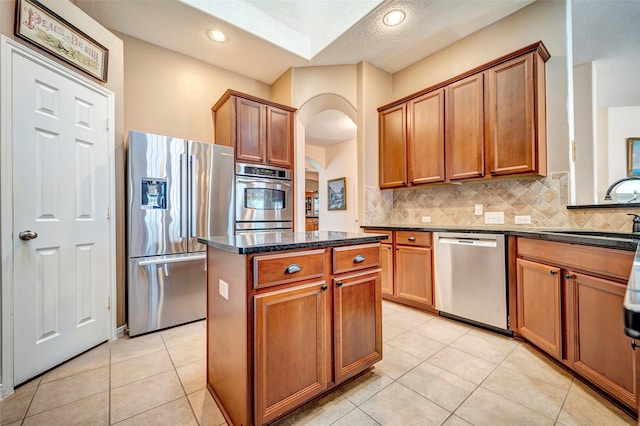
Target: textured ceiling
267,37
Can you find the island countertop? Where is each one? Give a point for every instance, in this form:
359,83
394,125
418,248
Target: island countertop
264,242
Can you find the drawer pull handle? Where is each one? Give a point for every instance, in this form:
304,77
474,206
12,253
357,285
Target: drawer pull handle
411,238
359,259
292,269
553,272
569,276
324,287
339,283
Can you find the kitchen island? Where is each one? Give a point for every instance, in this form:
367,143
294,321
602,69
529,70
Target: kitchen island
289,317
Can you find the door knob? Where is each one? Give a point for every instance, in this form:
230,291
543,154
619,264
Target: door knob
27,235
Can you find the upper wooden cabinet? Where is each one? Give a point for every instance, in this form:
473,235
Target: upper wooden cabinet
487,122
260,131
393,147
466,128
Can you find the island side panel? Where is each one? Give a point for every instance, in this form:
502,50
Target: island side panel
227,351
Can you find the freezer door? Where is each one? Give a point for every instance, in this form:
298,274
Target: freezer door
211,171
164,291
157,195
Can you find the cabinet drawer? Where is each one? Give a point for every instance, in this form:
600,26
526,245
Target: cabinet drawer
412,238
354,258
283,268
389,234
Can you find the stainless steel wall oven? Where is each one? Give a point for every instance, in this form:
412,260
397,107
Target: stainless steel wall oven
264,198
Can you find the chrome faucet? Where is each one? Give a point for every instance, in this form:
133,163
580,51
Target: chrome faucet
607,196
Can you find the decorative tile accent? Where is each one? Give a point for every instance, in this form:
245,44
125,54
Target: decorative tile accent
544,199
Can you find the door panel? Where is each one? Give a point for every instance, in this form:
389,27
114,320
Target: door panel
60,186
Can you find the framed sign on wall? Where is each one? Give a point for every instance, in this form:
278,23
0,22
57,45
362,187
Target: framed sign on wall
40,26
337,194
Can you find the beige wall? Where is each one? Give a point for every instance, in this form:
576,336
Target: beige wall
172,94
541,20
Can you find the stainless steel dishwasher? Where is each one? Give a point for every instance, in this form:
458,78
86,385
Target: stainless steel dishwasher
470,277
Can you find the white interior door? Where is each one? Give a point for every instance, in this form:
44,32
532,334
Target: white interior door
61,230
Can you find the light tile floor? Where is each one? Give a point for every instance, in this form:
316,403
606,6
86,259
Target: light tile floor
435,372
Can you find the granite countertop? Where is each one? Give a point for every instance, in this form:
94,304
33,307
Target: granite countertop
573,236
264,242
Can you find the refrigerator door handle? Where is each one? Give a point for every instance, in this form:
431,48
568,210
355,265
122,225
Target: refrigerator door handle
192,188
175,260
183,202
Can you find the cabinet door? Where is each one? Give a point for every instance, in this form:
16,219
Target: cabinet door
465,128
291,348
512,139
599,349
250,145
386,263
414,279
539,304
393,147
279,138
425,142
357,318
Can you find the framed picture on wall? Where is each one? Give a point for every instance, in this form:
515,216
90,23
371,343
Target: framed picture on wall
337,194
633,153
40,26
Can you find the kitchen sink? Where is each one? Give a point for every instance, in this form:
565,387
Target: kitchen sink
621,235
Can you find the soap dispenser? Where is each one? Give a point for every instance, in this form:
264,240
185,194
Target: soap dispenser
636,223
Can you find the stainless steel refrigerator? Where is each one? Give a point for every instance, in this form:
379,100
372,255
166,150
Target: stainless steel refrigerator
178,190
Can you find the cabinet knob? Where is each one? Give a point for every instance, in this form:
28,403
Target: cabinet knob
339,283
493,172
324,287
479,173
553,272
411,238
359,259
633,344
404,183
568,276
292,269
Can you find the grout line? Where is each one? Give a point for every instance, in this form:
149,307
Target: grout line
564,401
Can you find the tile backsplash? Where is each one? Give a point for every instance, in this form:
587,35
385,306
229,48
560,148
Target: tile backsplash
543,199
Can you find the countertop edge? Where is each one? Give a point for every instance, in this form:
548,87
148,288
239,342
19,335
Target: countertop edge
268,247
555,235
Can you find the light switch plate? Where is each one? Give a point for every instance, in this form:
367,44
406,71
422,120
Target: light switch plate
426,219
223,289
522,220
478,210
494,218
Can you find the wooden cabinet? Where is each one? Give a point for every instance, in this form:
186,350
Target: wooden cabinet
598,348
413,274
292,330
406,260
492,123
393,147
311,224
570,303
517,135
260,131
539,299
285,327
466,128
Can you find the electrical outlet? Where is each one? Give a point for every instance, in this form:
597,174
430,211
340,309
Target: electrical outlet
426,219
478,210
223,289
522,220
494,218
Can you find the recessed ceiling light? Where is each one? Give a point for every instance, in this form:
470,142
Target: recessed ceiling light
393,17
217,36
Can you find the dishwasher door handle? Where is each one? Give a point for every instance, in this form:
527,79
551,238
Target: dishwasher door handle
468,242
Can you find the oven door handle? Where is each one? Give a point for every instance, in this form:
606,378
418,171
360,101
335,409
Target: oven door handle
251,182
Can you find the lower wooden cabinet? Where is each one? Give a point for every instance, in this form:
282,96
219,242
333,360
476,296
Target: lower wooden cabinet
357,323
414,274
598,347
292,329
539,295
406,259
570,305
